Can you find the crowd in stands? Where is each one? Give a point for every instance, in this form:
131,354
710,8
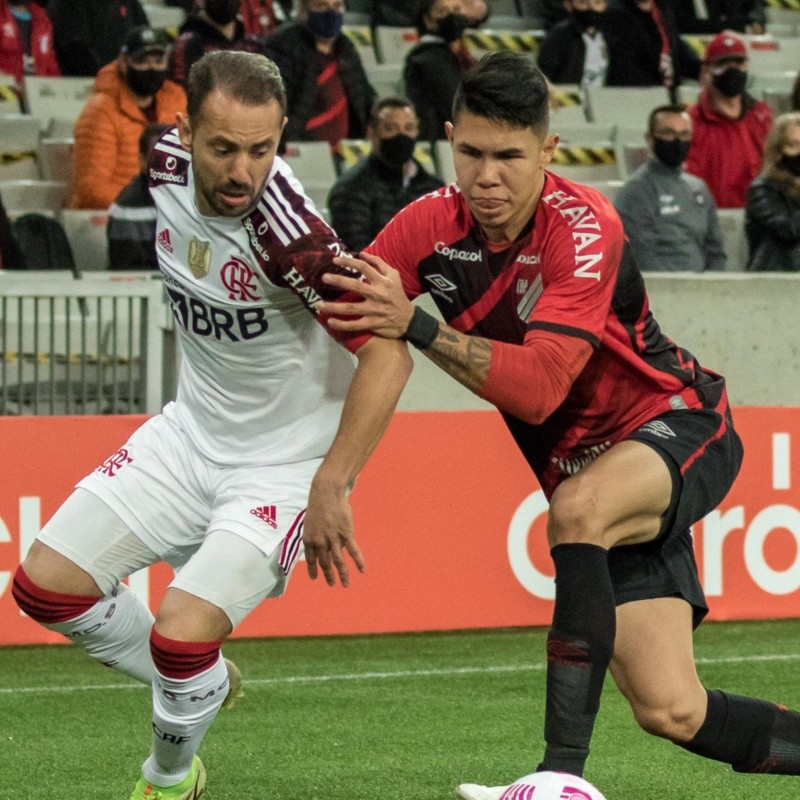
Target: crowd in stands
723,151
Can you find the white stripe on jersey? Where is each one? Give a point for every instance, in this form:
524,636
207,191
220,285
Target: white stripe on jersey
275,208
169,136
172,151
274,225
275,192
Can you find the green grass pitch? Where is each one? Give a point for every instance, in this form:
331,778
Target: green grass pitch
372,718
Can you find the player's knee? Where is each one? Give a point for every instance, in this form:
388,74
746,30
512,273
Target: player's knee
49,570
183,617
573,514
678,721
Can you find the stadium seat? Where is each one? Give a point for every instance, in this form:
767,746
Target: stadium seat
443,154
630,148
624,105
164,17
56,102
86,231
313,166
387,79
363,40
734,238
786,19
489,40
608,188
19,139
9,99
781,81
505,7
586,153
353,150
770,54
56,159
780,102
21,196
569,108
393,44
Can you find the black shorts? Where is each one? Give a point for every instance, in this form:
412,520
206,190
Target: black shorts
703,453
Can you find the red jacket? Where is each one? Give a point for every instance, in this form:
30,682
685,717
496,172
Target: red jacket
726,153
11,50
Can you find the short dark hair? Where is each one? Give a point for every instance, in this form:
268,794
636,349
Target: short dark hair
250,78
388,102
149,136
505,87
674,108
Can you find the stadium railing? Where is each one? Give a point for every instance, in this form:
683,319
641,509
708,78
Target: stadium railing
90,346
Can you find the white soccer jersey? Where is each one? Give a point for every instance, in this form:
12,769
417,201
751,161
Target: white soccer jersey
261,380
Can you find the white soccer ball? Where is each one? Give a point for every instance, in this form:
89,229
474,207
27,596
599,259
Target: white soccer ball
551,786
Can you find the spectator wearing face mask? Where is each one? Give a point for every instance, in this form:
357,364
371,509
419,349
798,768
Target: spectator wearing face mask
773,201
668,215
435,64
213,25
576,50
26,41
369,194
730,126
328,94
129,94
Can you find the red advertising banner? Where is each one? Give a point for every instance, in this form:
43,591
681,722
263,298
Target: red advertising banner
451,523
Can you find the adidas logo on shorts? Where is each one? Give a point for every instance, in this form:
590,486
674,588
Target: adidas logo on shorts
268,514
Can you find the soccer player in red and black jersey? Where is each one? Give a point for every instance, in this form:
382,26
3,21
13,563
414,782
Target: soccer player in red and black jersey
546,316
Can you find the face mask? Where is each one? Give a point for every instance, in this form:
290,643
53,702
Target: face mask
223,12
397,149
325,24
671,152
452,27
731,82
791,163
145,82
587,18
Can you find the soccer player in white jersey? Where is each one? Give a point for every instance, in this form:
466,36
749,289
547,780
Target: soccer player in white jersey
273,420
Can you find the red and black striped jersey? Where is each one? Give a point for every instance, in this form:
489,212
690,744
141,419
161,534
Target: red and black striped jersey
578,361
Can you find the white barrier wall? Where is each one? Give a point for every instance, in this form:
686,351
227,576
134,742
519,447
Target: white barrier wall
743,325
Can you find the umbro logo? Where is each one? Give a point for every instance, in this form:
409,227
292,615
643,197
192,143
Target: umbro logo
659,429
268,514
441,283
164,240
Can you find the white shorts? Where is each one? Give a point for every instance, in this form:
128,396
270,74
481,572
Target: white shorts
162,501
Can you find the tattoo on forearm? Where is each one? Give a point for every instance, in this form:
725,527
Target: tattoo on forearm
466,358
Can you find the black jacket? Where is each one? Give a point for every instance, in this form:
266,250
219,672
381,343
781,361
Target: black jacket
198,37
772,221
563,52
131,229
88,34
431,74
11,256
368,195
292,48
639,45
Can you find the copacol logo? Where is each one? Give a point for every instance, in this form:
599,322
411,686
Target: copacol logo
710,535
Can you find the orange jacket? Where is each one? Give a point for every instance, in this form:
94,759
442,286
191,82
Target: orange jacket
107,137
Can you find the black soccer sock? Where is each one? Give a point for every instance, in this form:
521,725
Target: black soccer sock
751,735
579,648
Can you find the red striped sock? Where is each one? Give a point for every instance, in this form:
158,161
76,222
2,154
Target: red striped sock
45,606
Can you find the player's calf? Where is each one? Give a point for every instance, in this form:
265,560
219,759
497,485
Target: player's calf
751,735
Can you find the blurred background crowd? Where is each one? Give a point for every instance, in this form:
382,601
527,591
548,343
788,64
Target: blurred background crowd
683,113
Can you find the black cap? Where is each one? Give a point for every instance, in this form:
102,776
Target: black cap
145,40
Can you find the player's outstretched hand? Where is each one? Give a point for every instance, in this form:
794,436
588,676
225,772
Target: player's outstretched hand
385,310
328,535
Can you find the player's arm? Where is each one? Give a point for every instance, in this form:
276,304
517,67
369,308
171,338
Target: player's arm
383,369
528,381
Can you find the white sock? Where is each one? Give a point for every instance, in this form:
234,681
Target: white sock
183,710
116,632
